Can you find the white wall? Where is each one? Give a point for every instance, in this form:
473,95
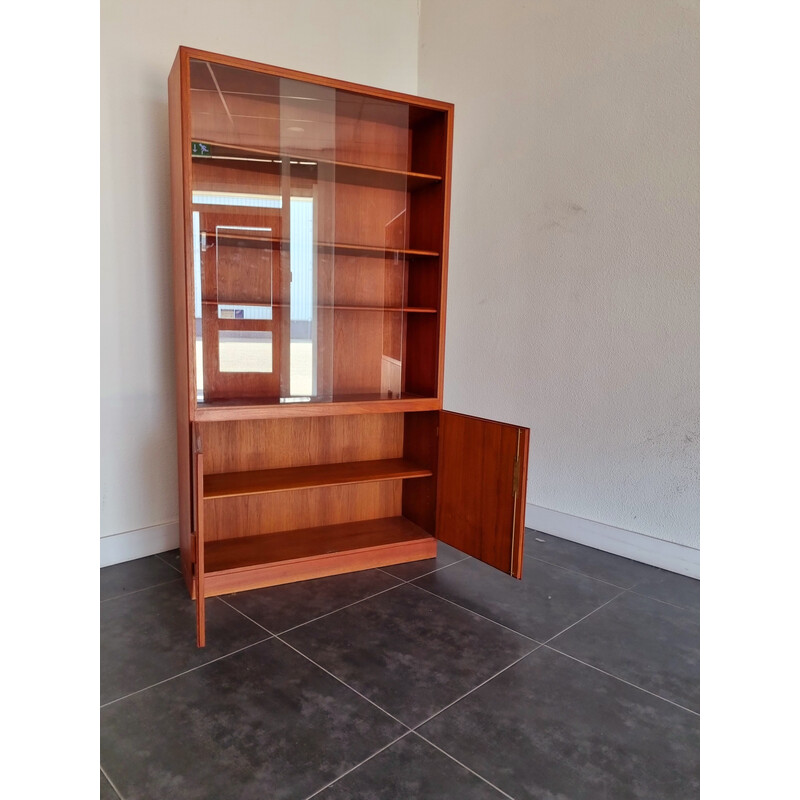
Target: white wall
357,40
573,302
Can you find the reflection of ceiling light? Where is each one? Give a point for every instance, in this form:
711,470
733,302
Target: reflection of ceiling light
296,129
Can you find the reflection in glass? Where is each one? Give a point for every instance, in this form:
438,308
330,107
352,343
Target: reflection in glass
245,351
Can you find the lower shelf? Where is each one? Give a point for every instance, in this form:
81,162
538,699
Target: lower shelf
235,565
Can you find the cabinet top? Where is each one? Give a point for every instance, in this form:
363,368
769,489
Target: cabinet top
187,53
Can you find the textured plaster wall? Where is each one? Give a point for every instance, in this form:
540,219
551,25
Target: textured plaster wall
573,301
357,40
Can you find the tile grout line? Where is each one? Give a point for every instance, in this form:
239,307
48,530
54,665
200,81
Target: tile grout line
665,602
476,613
177,569
586,616
474,689
138,591
461,764
401,582
610,674
424,574
222,599
341,608
360,764
186,672
622,680
631,588
111,783
347,685
578,572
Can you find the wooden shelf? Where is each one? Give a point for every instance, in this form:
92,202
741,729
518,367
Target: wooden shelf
325,247
274,548
337,405
335,306
405,309
274,558
236,484
303,165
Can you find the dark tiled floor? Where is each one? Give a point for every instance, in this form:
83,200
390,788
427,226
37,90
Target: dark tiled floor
440,679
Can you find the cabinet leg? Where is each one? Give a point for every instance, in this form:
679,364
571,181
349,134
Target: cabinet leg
201,620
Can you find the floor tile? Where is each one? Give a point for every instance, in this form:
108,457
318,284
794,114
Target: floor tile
409,651
542,604
150,635
414,569
410,769
279,608
131,576
622,572
550,727
671,588
652,644
262,723
106,789
173,558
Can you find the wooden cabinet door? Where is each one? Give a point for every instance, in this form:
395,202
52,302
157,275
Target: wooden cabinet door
480,506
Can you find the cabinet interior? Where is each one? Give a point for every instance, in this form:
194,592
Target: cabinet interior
317,224
290,488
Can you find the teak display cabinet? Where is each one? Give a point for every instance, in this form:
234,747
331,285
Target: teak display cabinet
310,227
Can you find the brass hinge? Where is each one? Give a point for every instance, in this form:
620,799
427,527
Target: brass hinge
515,480
198,444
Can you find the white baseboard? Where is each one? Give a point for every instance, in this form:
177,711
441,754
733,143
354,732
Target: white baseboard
637,546
119,547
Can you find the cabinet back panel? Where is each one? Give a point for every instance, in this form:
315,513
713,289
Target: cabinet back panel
358,352
230,518
422,354
238,446
368,215
421,445
368,281
429,144
243,107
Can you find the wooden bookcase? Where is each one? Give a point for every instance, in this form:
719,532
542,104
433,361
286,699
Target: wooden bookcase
310,234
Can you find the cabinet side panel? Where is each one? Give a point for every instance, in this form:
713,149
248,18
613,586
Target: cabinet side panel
181,302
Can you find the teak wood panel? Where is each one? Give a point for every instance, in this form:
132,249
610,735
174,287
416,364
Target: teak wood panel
183,342
421,445
339,405
480,498
252,515
240,445
310,542
366,131
241,107
300,166
236,484
244,564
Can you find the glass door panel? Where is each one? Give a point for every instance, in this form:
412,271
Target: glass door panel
303,249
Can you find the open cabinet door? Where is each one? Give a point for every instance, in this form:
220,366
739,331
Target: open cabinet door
480,507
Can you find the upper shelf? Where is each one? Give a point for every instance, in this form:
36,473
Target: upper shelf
325,247
306,166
